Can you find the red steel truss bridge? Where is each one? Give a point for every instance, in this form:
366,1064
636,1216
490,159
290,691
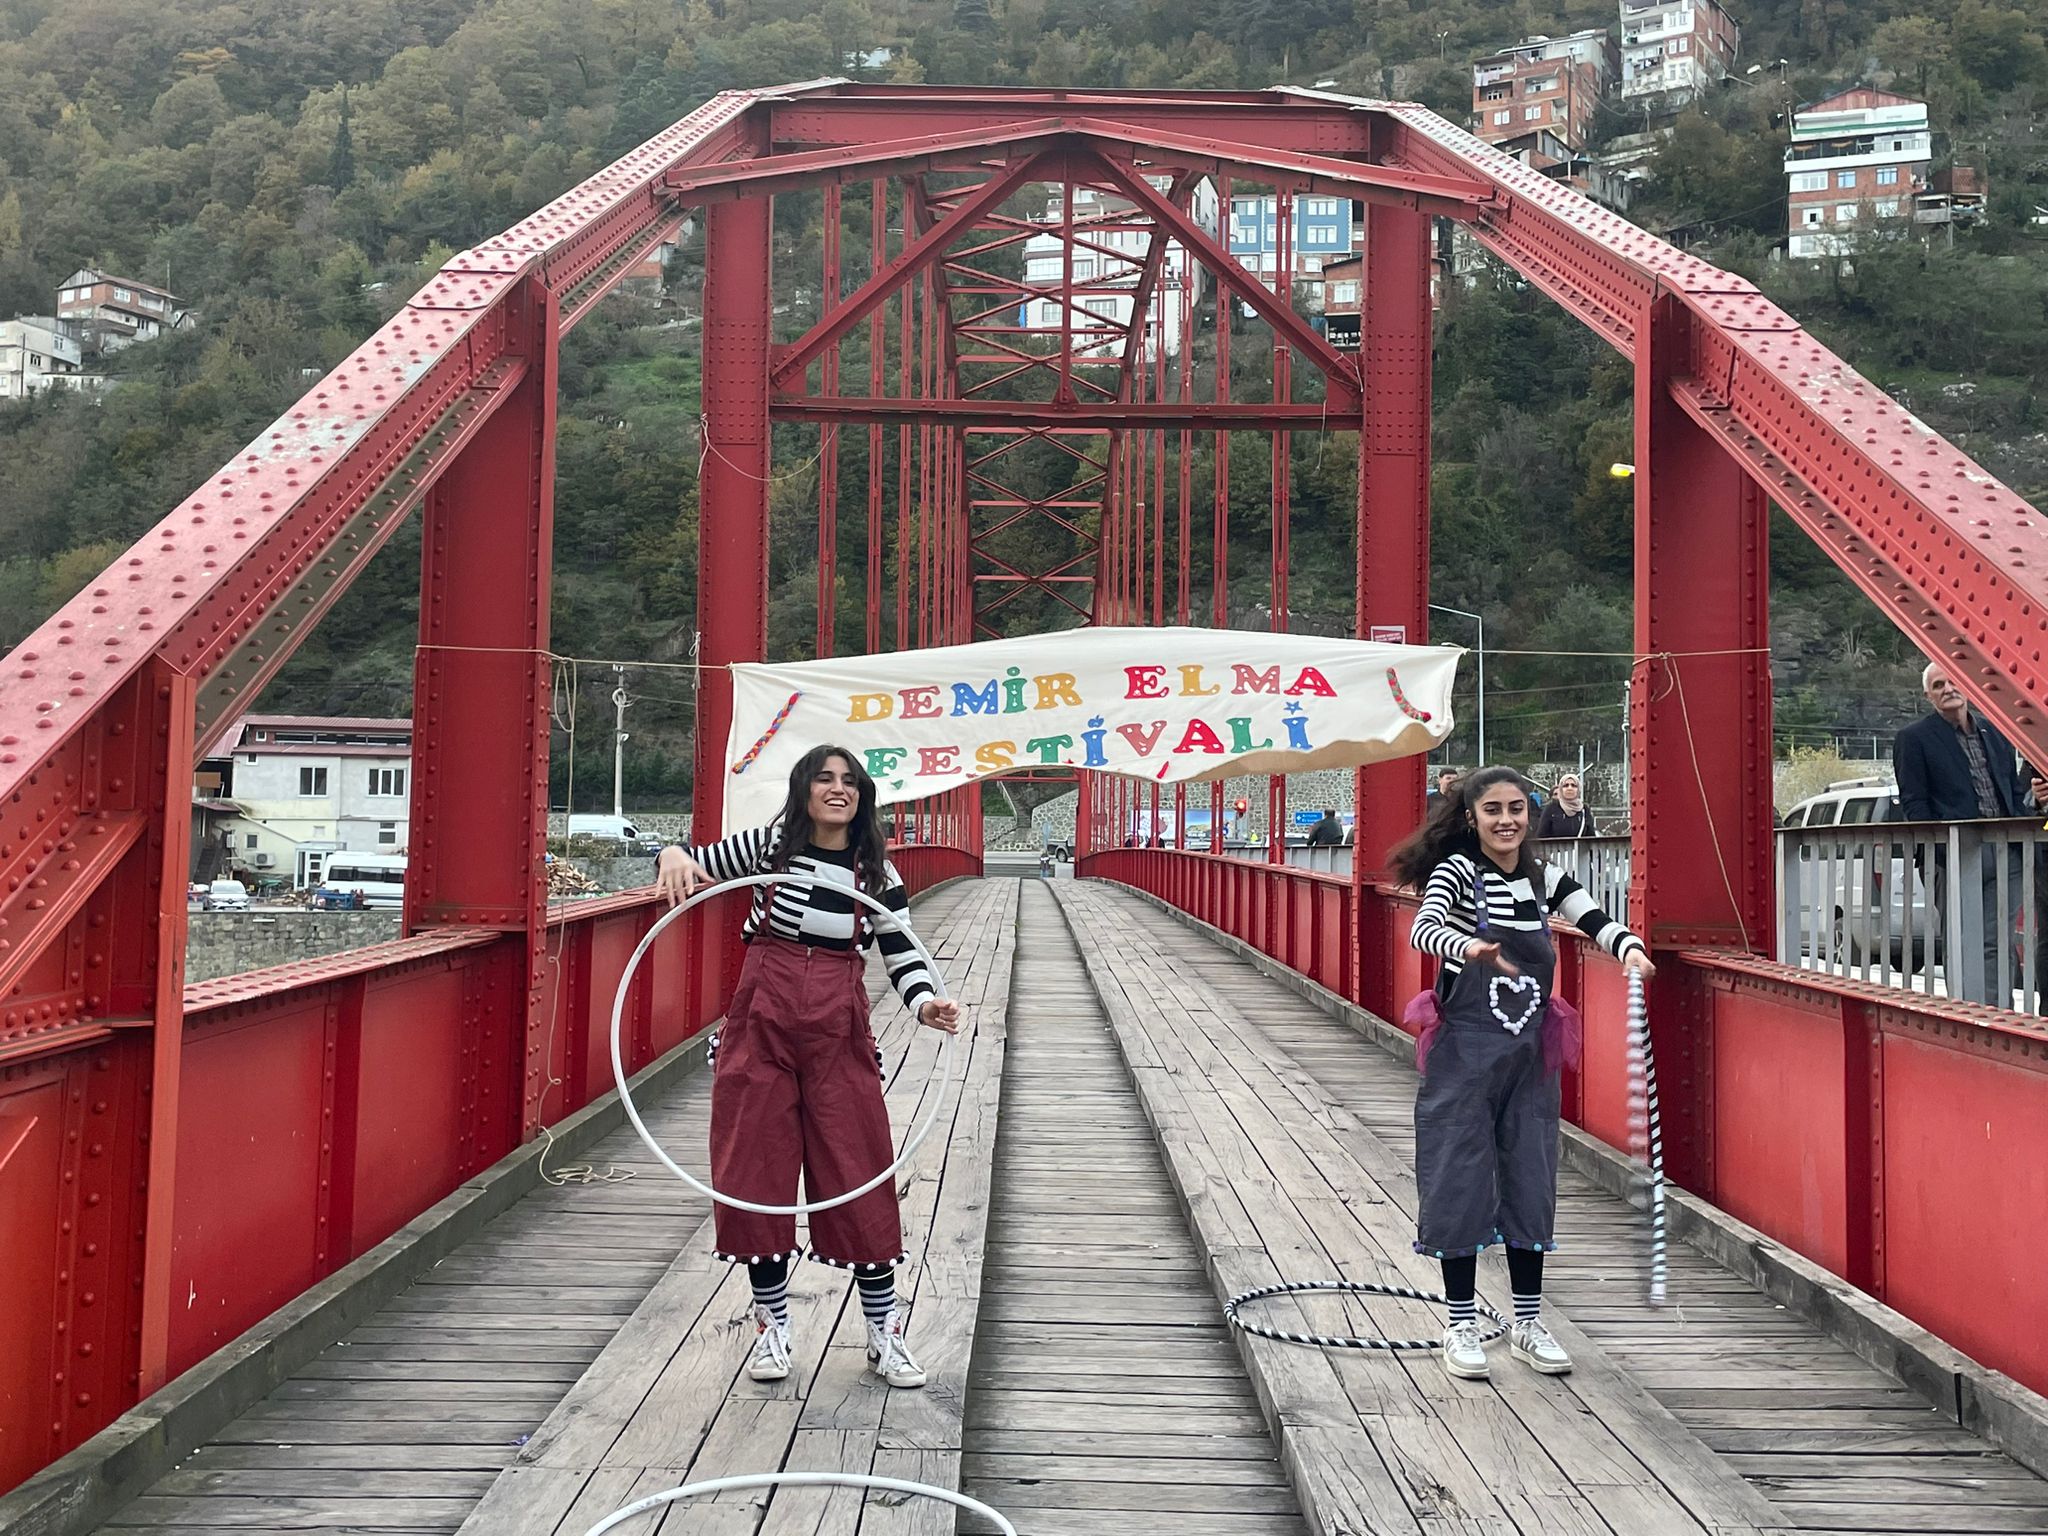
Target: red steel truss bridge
294,1225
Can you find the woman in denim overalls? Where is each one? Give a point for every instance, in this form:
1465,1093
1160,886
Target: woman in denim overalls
1492,1040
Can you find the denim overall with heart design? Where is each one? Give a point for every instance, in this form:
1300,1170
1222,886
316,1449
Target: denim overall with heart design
1486,1114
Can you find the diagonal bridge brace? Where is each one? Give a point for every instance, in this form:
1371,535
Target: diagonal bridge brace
1340,372
919,253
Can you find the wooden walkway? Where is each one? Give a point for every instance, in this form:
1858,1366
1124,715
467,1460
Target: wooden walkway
1139,1124
1107,1396
1721,1411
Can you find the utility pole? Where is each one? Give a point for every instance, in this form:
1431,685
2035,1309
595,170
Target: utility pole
1481,622
620,703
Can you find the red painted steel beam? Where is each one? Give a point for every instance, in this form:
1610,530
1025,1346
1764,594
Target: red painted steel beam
1339,372
1094,416
1392,553
1953,557
1141,293
769,175
869,114
1451,196
732,545
920,253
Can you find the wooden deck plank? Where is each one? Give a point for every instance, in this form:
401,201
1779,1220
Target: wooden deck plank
1104,1393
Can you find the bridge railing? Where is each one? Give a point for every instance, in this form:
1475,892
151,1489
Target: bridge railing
1302,918
1875,901
327,1103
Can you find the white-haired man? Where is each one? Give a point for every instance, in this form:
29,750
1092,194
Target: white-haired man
1953,765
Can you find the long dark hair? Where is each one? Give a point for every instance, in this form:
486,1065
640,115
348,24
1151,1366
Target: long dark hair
1449,829
864,836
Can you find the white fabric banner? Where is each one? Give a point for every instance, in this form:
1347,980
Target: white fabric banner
1161,705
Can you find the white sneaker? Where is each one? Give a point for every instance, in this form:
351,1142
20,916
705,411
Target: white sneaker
1464,1356
1531,1342
770,1359
889,1357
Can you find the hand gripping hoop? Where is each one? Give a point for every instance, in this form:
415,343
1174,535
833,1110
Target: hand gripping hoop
1496,1327
917,1136
802,1480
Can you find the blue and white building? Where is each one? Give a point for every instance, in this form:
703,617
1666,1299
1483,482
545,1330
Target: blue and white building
1326,228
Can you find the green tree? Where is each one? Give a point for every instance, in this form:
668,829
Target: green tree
1913,48
341,164
1997,45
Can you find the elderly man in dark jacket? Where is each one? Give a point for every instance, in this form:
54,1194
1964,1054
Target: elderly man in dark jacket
1953,765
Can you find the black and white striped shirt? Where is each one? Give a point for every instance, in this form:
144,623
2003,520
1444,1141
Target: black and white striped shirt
819,915
1448,921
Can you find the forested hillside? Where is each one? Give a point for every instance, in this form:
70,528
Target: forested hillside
295,168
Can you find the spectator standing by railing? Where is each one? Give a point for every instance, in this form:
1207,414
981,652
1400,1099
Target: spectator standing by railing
1566,815
1953,765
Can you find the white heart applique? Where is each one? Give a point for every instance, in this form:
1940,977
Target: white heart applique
1514,986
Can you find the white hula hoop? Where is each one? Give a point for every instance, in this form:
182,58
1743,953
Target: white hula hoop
917,1136
802,1480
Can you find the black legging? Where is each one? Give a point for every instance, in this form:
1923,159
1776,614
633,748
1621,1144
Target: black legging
1525,1274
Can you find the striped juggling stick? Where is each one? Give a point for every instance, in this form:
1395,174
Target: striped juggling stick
1646,1131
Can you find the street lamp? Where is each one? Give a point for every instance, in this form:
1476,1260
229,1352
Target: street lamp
1481,622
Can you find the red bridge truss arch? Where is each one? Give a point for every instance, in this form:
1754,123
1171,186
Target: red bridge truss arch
178,1161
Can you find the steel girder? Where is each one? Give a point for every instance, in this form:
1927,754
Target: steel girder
1950,555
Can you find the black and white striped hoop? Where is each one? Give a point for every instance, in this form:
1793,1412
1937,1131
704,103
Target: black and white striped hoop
1646,1127
1496,1327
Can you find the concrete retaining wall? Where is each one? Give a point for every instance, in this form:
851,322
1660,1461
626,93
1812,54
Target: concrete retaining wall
230,943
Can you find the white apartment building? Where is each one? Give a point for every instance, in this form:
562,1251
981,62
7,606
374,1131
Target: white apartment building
37,353
1857,161
292,789
1676,49
1112,243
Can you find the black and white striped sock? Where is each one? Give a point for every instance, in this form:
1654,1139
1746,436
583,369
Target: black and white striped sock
1525,1282
1461,1288
877,1292
770,1280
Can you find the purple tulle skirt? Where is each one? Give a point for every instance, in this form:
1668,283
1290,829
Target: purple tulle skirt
1564,1030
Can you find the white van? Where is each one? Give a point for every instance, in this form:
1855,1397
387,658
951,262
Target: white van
379,876
615,829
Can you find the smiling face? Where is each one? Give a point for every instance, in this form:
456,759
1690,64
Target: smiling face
1500,815
835,794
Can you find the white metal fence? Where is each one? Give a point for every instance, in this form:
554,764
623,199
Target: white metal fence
1871,900
1952,909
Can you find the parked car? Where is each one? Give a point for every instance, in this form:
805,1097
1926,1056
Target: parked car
613,829
227,896
1872,889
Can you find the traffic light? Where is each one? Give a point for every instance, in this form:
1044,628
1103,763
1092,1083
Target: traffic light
1243,806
